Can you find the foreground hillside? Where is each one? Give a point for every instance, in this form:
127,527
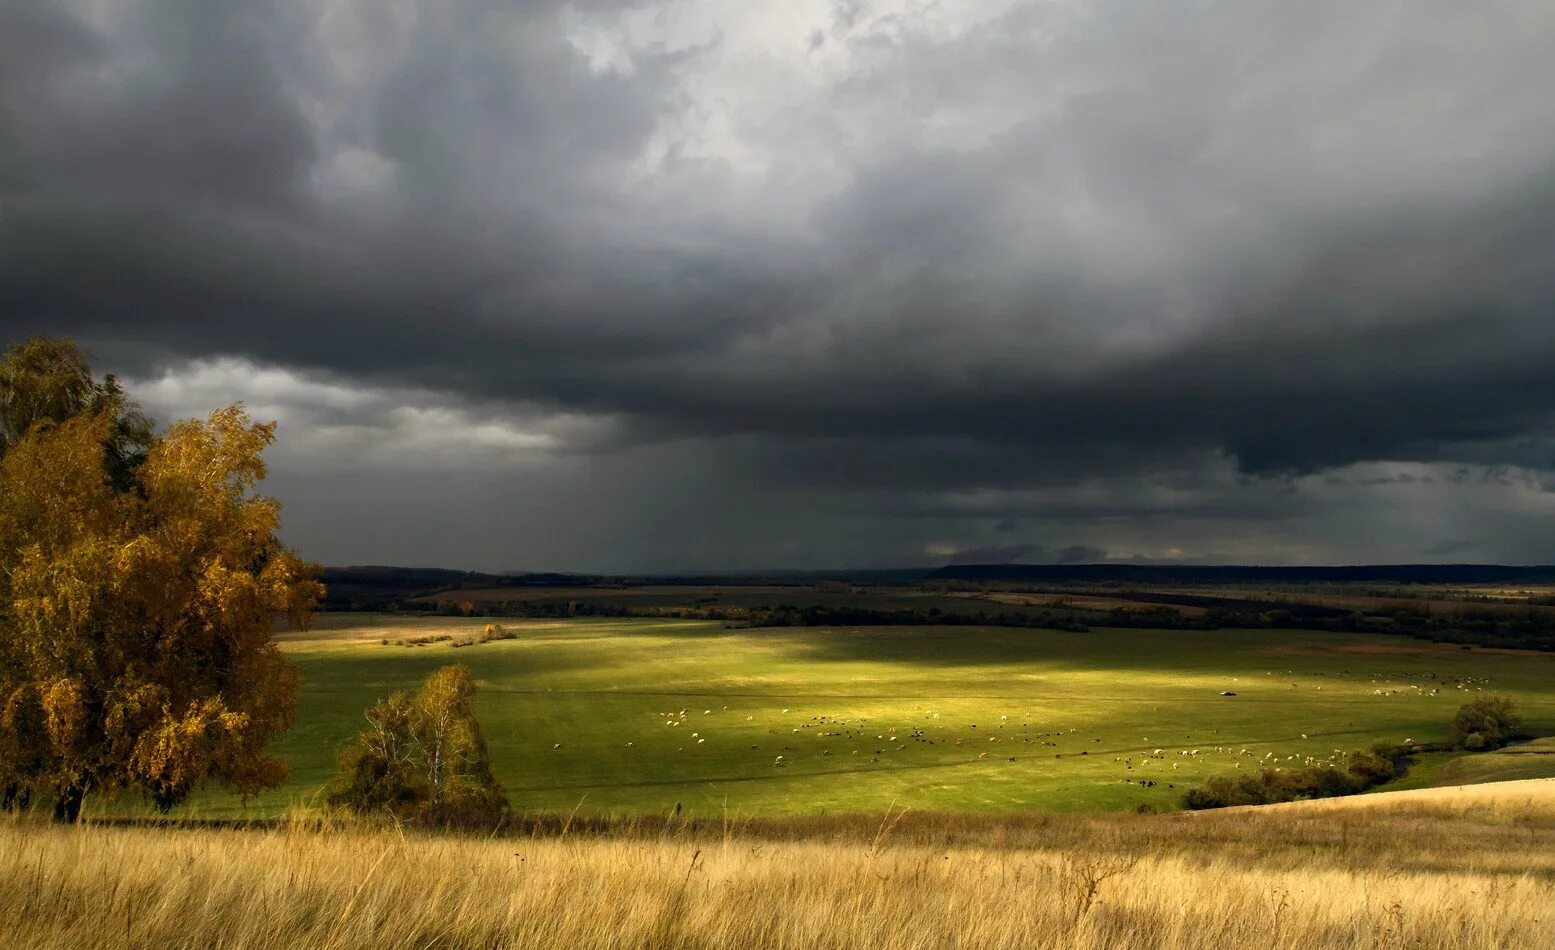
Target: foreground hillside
1535,794
1525,760
639,716
1404,873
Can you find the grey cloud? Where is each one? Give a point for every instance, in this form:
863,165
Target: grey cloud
1077,554
998,554
877,266
1450,547
1027,553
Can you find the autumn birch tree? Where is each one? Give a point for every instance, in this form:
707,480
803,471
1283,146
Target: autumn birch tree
423,758
136,621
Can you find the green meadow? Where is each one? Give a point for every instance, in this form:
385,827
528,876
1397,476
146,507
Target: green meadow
630,716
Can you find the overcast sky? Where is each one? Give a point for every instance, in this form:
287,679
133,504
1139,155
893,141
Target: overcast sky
728,285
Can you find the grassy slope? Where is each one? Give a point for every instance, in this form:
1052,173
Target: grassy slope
1535,795
1419,872
593,687
1528,760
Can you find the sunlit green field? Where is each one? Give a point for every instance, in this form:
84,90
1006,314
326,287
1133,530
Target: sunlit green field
631,715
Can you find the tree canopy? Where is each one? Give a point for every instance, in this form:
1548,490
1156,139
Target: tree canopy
138,597
423,758
1486,723
48,380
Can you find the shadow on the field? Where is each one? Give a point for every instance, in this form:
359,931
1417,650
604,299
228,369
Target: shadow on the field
1003,646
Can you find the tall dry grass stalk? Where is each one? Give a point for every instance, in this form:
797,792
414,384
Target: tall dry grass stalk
1472,875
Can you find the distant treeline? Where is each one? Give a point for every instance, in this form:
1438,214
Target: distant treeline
1360,770
1488,722
1244,574
377,588
1530,632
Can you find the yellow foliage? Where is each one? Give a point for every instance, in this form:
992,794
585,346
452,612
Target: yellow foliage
146,617
64,710
423,758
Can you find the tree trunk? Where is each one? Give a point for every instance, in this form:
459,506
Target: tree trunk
67,806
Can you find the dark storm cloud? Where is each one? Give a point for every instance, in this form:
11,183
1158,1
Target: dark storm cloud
1029,554
876,249
997,554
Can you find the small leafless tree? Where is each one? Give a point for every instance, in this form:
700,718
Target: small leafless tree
1083,875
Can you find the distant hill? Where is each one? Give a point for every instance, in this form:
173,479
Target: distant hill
1231,573
369,587
375,586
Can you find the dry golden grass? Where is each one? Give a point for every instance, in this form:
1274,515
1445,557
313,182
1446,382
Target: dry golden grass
1520,795
1476,874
